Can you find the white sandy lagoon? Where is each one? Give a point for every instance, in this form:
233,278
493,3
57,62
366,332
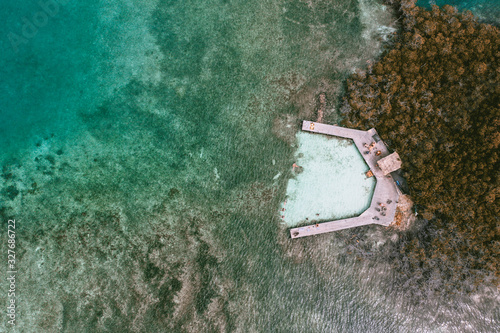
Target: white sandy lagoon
332,184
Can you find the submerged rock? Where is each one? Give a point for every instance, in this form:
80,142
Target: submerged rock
12,192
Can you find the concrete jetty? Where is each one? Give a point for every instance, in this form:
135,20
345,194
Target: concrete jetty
383,205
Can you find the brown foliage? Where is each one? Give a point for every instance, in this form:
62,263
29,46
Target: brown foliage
435,99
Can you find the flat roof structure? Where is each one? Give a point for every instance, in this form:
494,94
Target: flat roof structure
389,163
383,205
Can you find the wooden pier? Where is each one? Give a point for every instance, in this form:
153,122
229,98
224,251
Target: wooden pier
383,205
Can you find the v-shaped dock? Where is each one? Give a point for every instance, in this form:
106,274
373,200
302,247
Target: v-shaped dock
383,205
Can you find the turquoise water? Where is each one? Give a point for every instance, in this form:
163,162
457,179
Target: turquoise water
486,10
139,145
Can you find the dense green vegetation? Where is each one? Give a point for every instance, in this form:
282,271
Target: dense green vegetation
434,97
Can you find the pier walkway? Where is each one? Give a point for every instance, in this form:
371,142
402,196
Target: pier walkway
385,196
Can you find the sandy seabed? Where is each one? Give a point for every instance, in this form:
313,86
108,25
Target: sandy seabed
330,181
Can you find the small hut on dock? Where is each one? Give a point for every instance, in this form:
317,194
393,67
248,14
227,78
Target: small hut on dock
389,163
